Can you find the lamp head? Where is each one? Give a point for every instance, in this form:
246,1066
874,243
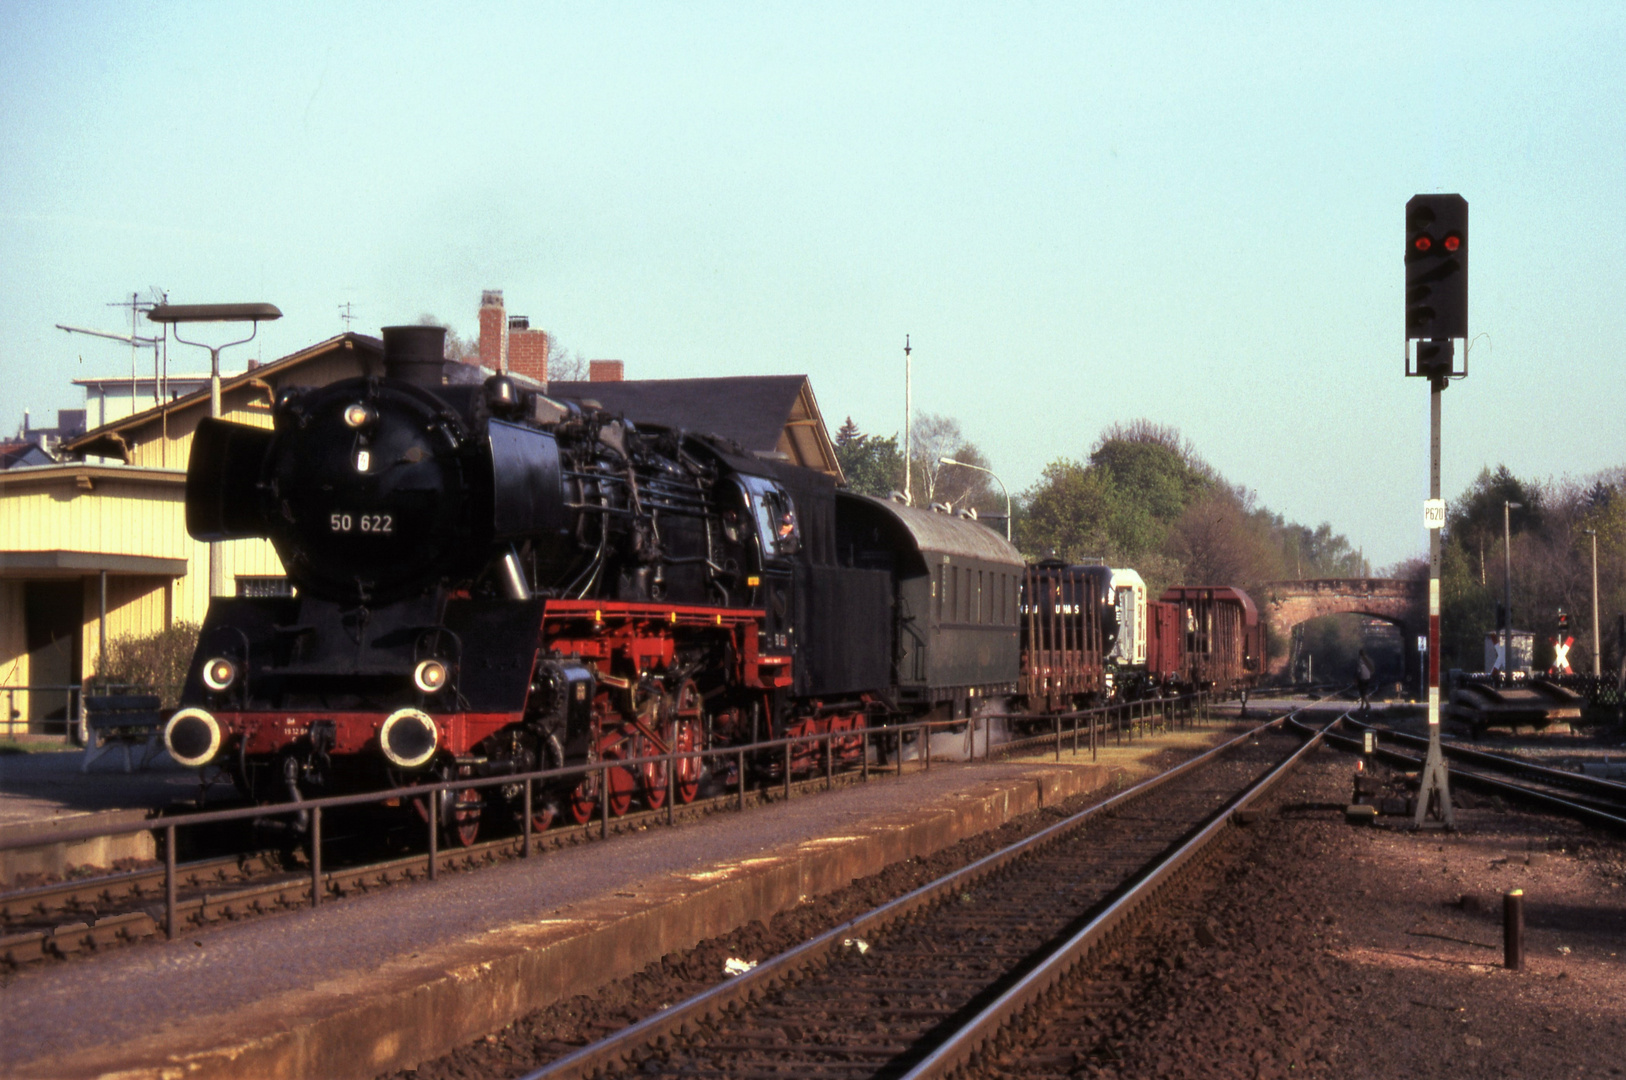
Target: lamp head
179,313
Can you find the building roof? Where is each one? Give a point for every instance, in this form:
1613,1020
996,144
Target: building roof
21,454
768,415
113,439
147,380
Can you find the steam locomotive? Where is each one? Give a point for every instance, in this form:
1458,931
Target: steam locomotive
489,581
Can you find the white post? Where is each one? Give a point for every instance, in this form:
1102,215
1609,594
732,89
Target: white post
1597,643
908,410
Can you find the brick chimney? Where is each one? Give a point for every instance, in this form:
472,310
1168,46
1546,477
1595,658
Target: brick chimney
528,349
606,371
493,331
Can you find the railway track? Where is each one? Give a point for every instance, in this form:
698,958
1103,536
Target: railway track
1589,798
918,984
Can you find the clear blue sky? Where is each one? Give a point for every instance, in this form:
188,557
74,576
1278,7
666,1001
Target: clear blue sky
1080,215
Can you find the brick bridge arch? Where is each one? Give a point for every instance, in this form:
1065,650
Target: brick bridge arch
1285,604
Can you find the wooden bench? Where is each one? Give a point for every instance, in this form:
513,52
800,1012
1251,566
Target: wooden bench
122,721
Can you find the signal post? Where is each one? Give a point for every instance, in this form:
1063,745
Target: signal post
1436,317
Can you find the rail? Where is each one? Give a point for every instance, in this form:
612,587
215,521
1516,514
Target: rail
311,810
957,1049
1594,815
596,1058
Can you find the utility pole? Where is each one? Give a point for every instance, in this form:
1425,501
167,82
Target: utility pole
1597,645
1508,506
908,412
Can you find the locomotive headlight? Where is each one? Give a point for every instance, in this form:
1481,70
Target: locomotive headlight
408,738
192,737
219,673
429,676
358,416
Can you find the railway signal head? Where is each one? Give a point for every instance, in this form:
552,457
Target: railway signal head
1436,267
1434,358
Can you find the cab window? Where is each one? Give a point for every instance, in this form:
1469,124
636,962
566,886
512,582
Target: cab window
774,514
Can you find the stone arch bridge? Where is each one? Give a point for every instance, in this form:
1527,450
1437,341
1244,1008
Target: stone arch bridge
1285,604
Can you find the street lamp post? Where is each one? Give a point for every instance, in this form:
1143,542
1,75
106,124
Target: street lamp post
191,313
1597,646
1507,587
997,480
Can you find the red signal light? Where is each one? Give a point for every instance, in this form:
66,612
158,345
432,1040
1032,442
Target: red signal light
1452,243
1423,243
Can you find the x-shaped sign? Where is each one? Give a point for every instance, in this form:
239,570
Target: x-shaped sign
1561,655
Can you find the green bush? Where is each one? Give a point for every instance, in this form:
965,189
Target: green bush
154,661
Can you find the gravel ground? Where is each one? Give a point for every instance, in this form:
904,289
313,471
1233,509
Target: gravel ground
1309,947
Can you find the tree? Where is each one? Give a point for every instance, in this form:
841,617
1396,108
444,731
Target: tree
1219,543
1065,514
156,661
564,365
1474,519
872,465
1138,479
935,437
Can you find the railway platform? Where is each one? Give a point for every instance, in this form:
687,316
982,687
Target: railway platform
48,791
382,981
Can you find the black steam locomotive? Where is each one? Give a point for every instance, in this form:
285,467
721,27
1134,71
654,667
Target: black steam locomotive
491,581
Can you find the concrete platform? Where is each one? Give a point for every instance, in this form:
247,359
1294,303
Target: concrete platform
46,792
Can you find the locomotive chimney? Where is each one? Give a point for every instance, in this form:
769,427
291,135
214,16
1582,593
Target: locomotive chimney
415,354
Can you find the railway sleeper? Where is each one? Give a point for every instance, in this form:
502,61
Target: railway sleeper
19,949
